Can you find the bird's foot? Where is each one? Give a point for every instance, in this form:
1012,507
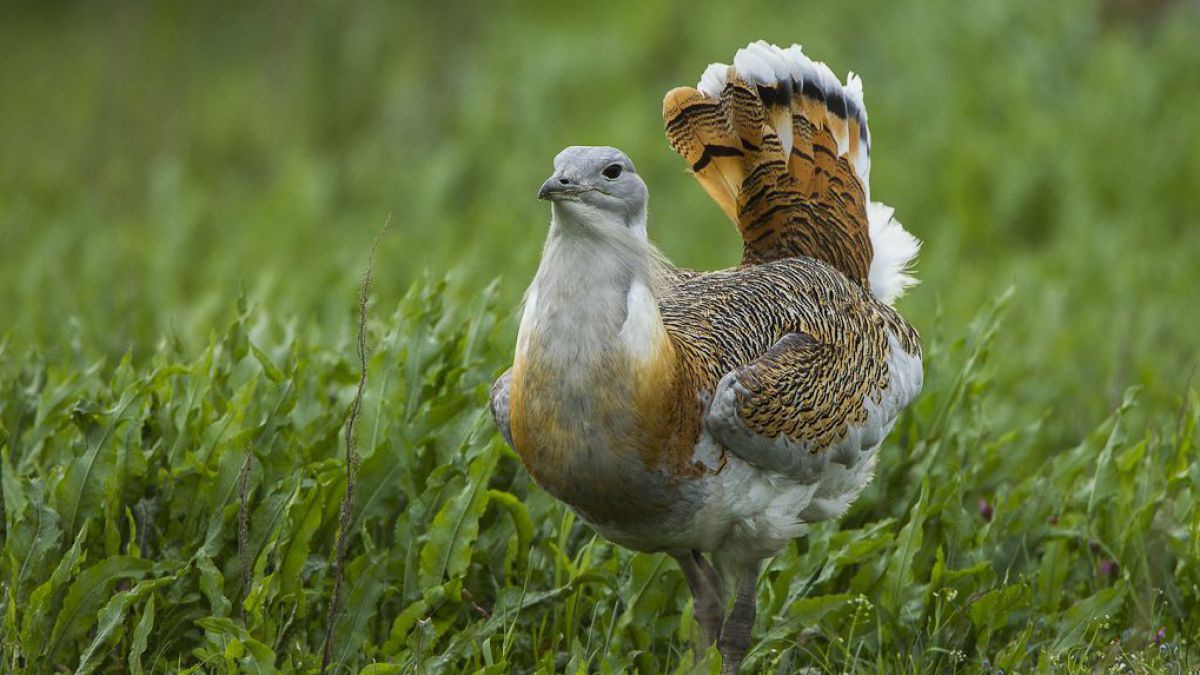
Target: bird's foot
735,633
708,596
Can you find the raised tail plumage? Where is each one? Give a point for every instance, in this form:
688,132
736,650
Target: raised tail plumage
784,149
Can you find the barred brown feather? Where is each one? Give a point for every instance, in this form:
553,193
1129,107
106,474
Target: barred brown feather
769,155
808,347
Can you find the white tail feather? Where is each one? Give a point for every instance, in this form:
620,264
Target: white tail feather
895,249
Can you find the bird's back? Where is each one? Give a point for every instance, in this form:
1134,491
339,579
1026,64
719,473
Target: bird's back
727,322
724,319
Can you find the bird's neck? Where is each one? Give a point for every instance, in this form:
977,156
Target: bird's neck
593,296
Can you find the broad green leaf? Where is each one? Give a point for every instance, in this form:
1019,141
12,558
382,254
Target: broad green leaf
78,494
14,491
997,607
1052,573
375,493
250,655
39,617
1131,457
943,577
647,594
477,631
141,635
522,523
1104,481
1101,607
456,526
403,624
801,614
91,591
305,518
900,582
263,591
112,618
382,669
212,584
32,542
273,373
809,611
9,636
365,583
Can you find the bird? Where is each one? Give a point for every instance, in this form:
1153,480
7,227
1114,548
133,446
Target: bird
716,415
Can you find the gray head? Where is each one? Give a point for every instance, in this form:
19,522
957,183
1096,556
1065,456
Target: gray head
596,185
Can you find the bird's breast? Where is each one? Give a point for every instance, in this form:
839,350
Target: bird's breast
593,411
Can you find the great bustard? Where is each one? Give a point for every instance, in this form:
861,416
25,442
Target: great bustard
719,413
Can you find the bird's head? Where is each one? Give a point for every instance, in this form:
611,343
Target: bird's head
597,187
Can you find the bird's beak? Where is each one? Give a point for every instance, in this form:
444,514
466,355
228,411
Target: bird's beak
558,186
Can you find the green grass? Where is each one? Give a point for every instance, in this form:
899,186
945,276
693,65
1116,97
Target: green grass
188,196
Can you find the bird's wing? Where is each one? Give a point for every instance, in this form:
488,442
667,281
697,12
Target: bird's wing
499,405
808,402
784,149
801,367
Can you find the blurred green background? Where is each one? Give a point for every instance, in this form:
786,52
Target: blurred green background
157,158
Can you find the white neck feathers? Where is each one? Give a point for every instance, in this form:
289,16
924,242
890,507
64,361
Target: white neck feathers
592,297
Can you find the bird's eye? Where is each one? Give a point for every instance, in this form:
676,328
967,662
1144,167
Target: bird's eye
612,171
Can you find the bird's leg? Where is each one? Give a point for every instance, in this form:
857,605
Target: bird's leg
708,592
735,634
